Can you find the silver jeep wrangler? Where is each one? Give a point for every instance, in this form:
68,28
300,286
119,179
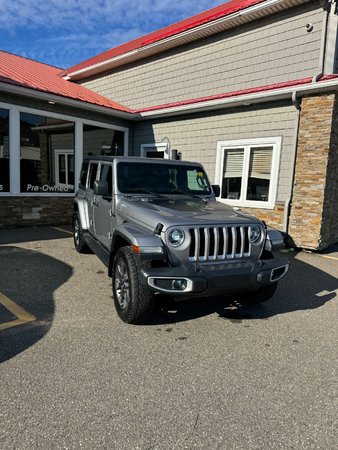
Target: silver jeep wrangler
158,228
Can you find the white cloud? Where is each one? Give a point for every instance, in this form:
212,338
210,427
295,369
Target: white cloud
65,32
74,14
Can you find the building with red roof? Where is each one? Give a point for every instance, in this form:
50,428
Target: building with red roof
248,88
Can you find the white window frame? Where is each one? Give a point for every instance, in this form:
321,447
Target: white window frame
247,144
159,146
65,152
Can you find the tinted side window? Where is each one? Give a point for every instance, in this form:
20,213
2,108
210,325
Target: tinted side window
107,175
83,175
92,175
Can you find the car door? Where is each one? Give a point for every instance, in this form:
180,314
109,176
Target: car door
89,195
103,215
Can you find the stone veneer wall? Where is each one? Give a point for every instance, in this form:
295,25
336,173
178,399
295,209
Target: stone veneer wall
329,232
314,216
274,218
23,211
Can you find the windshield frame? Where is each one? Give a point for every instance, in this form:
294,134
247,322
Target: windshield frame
144,187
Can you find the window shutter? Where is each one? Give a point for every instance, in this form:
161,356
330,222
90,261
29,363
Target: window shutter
260,162
233,163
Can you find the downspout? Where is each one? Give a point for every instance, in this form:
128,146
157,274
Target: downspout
322,53
288,202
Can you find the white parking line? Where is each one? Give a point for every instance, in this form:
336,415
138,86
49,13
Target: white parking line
329,257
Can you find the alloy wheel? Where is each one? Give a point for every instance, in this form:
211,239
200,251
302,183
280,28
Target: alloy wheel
122,285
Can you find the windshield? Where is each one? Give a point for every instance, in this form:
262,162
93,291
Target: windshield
152,178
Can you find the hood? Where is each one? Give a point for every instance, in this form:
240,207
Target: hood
180,211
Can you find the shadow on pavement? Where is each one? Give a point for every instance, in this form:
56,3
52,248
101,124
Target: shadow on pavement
332,251
31,234
28,278
305,287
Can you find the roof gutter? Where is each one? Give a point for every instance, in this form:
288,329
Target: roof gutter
142,51
238,101
192,106
59,99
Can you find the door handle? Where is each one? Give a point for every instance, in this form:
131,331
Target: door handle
95,203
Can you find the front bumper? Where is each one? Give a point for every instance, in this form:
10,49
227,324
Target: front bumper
215,278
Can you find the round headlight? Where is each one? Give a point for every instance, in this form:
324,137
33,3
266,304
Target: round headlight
176,237
255,234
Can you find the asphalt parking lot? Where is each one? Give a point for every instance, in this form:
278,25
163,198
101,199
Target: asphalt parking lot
206,374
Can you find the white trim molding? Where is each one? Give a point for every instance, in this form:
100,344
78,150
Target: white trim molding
14,150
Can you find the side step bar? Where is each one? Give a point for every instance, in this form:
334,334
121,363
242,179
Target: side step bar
97,248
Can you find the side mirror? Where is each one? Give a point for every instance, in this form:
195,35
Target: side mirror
101,188
216,189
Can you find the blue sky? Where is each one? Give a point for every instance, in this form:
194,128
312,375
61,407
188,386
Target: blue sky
63,33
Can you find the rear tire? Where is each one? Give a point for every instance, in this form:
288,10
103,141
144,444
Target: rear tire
79,243
134,302
260,295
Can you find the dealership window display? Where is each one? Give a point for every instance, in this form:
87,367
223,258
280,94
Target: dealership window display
41,152
99,141
46,154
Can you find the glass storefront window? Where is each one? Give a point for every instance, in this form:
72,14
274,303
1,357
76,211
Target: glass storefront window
46,154
4,150
99,141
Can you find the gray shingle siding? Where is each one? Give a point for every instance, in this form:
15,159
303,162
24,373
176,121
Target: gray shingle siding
272,50
197,136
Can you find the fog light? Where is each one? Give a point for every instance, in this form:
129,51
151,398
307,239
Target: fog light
179,285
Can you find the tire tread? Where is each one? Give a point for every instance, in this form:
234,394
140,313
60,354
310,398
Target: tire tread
141,298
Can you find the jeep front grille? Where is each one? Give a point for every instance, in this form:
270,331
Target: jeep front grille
219,243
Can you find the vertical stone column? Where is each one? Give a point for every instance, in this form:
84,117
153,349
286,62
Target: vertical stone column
311,172
329,234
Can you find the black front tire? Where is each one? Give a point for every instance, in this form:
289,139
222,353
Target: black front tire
134,302
79,243
260,295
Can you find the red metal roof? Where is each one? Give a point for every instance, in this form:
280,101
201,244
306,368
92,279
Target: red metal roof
31,74
37,76
171,30
240,93
255,90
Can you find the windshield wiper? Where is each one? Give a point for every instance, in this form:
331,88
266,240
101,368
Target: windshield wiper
141,191
164,194
184,192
